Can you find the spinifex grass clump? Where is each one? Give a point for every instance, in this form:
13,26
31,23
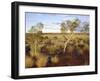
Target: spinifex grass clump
51,50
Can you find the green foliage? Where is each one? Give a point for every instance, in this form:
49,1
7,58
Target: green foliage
85,27
37,28
70,25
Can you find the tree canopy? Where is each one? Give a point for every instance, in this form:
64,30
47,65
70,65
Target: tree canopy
85,27
37,28
69,25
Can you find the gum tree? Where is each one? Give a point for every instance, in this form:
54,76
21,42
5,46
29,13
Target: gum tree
36,31
69,26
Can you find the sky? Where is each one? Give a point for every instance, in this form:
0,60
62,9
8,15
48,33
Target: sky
51,21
